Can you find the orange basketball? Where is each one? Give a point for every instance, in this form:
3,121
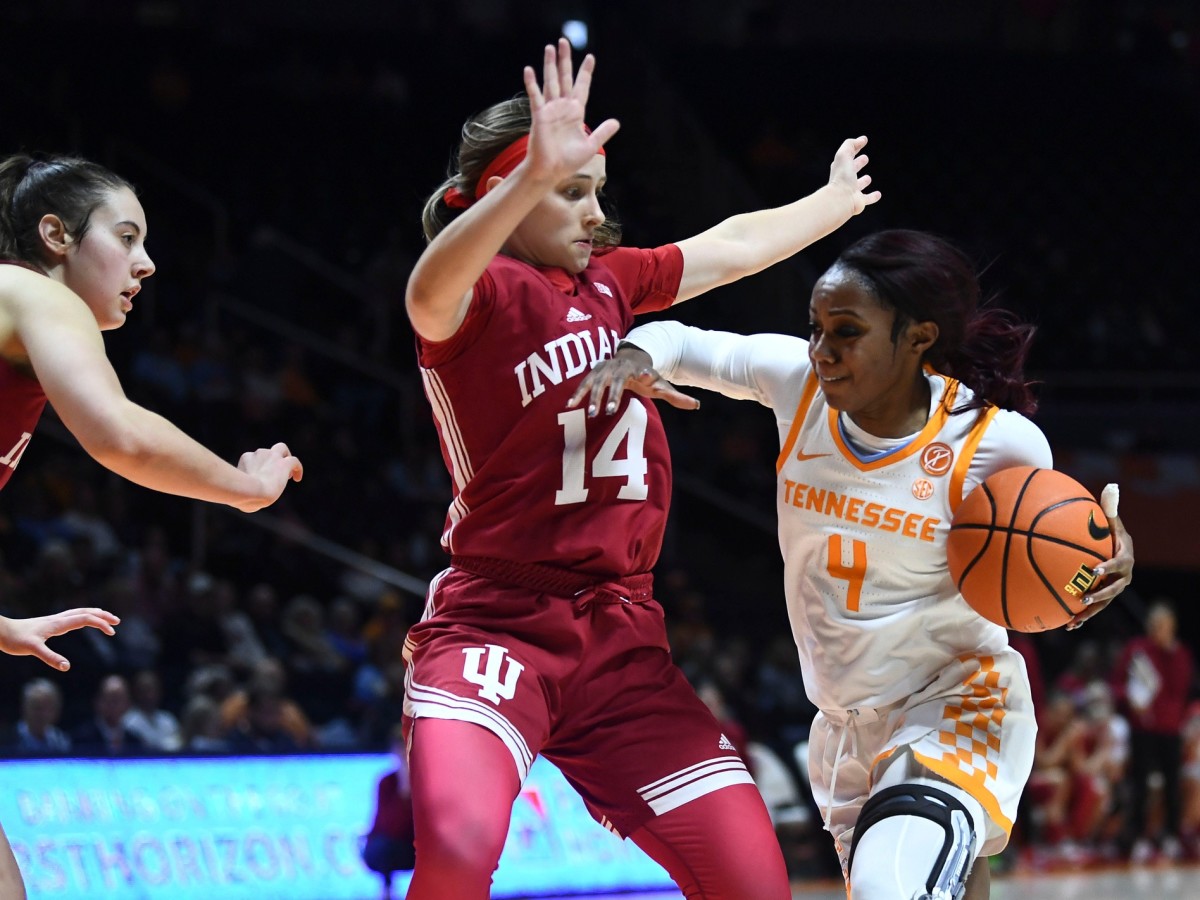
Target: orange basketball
1023,546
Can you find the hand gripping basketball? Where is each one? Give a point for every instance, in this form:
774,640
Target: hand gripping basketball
1028,547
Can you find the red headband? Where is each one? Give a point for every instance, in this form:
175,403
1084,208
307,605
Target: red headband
504,163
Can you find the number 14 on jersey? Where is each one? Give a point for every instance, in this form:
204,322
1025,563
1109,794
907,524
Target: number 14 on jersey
577,469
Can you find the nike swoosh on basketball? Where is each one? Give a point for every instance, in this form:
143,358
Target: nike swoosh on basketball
801,456
1099,532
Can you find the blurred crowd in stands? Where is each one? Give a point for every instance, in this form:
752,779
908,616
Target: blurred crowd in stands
280,318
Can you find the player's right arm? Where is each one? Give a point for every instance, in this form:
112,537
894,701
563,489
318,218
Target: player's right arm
27,637
654,357
440,287
56,333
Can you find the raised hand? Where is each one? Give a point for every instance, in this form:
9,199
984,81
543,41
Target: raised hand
273,468
846,172
27,637
629,368
559,143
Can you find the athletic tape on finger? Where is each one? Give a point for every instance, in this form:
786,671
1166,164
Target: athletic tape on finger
1110,498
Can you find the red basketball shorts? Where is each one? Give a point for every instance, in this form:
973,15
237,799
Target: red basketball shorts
588,683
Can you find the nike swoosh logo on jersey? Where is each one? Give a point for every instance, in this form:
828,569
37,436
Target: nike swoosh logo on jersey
801,456
1098,532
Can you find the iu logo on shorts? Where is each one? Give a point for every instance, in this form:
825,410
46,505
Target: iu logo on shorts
487,675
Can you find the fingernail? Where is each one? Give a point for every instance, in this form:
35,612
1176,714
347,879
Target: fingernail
1098,571
612,408
592,409
1088,601
64,665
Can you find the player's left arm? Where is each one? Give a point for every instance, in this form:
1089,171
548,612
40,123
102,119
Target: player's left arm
744,244
1116,574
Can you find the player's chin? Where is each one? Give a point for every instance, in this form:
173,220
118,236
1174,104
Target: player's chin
114,320
836,395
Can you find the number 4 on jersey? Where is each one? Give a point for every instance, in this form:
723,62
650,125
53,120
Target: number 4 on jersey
631,429
853,574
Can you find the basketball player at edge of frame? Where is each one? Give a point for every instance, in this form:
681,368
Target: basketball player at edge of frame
924,737
72,259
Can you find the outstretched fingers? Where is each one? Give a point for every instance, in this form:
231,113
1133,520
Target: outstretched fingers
536,99
565,68
74,619
583,79
30,635
550,86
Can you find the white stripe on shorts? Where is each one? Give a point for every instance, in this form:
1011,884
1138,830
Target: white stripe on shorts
433,703
686,785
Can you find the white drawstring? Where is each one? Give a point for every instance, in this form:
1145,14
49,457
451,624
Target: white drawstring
837,759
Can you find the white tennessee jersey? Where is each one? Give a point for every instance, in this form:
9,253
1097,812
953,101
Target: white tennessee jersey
873,609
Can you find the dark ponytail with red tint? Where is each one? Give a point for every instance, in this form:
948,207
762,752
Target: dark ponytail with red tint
927,279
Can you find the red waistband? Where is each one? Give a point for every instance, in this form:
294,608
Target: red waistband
559,582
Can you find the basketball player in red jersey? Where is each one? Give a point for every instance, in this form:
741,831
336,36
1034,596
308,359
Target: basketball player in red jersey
72,258
543,635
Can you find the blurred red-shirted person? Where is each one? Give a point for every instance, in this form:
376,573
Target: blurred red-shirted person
1152,681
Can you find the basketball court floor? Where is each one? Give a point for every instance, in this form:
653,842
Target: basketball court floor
1159,883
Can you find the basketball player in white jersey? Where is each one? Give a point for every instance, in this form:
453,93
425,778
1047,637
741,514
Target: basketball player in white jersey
907,396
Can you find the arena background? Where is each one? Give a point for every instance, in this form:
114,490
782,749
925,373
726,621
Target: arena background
283,151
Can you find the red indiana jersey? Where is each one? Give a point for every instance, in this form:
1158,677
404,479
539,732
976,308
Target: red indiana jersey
21,404
535,482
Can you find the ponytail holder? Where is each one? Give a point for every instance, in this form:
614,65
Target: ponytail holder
454,199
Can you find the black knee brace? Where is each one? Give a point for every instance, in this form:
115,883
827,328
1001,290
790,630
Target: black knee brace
948,879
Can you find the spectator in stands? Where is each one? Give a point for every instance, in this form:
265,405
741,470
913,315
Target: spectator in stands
37,732
1152,681
320,676
262,606
1107,763
270,677
263,729
105,734
1190,782
1060,737
139,642
311,649
1087,665
192,634
245,648
388,846
156,727
384,708
344,631
201,728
